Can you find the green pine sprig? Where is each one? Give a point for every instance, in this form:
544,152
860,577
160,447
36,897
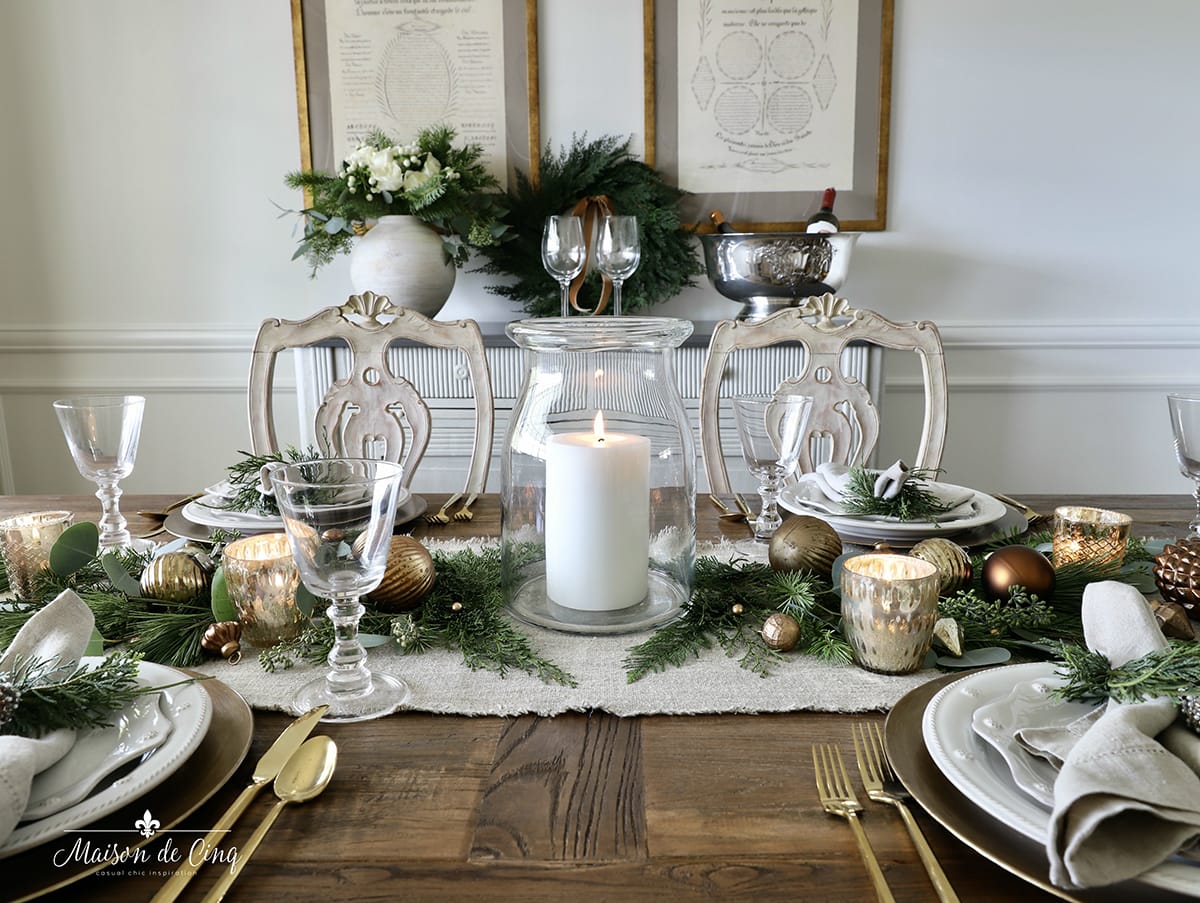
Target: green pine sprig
1172,672
88,698
914,501
244,477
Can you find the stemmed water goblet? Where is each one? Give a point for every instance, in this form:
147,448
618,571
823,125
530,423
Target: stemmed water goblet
1185,424
772,431
102,432
618,253
563,252
338,514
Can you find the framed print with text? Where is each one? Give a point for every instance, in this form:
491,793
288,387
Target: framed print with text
754,107
401,67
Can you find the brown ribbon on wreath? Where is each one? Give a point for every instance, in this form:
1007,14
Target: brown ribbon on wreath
591,210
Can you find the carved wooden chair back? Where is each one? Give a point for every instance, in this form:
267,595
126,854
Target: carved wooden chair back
844,424
369,413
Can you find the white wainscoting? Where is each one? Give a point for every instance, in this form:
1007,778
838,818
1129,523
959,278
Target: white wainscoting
1056,406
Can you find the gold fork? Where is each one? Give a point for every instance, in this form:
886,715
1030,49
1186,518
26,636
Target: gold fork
837,798
442,517
882,786
726,512
465,513
743,507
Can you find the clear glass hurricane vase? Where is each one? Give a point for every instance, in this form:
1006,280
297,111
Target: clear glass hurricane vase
563,253
618,253
102,432
339,514
772,432
1185,425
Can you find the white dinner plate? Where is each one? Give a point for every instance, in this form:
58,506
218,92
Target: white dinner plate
206,512
984,509
136,730
1031,703
188,709
979,773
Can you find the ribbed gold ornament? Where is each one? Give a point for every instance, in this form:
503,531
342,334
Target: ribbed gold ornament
174,577
951,560
224,639
805,543
1177,574
408,579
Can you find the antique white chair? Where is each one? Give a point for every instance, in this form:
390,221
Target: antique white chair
844,423
369,413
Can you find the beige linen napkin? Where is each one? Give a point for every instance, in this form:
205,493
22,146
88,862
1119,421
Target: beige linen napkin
59,632
825,489
1123,802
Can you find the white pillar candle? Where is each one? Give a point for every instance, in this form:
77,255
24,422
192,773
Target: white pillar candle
597,519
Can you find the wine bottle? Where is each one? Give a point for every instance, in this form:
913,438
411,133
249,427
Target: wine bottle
718,220
824,220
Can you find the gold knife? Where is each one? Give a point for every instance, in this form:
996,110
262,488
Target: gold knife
265,771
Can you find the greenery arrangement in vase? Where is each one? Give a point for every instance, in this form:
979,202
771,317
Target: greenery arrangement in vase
444,186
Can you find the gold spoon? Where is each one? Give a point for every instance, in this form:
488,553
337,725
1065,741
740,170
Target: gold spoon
726,513
305,775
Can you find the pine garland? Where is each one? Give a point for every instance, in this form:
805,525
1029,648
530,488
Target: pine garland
586,169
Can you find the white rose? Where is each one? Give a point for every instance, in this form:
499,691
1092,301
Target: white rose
414,181
386,173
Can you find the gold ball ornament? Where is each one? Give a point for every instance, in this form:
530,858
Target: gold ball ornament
456,607
781,631
951,560
174,577
805,543
407,579
738,608
1177,574
1017,566
223,639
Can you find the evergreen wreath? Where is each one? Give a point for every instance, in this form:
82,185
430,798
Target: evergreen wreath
589,169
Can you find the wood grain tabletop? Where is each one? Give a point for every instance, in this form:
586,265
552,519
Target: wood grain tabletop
584,806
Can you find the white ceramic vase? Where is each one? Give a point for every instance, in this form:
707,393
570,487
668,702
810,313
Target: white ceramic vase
402,258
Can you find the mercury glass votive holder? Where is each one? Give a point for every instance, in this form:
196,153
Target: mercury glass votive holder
25,543
889,607
1091,535
262,580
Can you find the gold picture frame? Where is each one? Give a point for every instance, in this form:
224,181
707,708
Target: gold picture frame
521,113
863,208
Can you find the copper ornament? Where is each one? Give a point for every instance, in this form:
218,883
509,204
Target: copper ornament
781,631
1017,566
1173,620
805,543
174,577
951,560
1177,574
408,578
223,639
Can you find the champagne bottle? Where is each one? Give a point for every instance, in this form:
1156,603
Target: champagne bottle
824,220
718,220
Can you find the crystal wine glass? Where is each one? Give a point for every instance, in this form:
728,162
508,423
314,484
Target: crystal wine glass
102,432
772,431
618,252
339,513
563,252
1185,423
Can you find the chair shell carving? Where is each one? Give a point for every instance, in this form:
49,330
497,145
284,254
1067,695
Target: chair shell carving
369,413
844,421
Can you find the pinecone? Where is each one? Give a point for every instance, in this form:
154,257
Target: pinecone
10,698
1177,574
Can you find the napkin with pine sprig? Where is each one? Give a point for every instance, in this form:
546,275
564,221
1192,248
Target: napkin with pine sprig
59,634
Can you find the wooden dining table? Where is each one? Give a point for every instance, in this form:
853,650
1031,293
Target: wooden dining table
582,806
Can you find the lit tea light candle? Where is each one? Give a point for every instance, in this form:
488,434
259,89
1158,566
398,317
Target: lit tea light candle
1089,535
25,543
262,579
889,607
597,519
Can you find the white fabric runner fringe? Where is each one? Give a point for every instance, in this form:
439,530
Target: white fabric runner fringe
442,683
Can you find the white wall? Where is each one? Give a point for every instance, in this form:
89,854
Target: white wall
1043,198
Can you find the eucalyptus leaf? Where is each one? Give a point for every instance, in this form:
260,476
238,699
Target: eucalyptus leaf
305,601
369,640
95,644
74,549
335,224
120,578
223,608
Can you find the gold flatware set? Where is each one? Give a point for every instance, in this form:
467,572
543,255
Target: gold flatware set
301,769
464,513
837,796
727,514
